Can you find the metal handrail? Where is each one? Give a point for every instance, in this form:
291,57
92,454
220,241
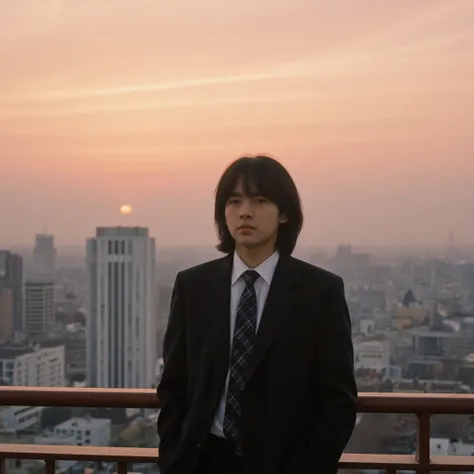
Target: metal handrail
422,405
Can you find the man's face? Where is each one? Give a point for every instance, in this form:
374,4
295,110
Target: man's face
253,221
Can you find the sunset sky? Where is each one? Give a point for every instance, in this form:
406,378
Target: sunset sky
369,104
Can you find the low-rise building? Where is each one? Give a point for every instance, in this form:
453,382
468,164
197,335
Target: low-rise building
86,431
29,366
372,355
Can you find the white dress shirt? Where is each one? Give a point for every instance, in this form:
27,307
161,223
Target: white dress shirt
266,270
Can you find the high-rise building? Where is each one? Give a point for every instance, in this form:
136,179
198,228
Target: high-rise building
6,314
11,277
44,256
39,307
121,319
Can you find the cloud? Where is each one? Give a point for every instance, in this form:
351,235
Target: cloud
422,35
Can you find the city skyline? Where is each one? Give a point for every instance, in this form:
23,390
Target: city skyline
444,241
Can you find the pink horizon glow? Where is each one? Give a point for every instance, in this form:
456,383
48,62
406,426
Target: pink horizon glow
369,104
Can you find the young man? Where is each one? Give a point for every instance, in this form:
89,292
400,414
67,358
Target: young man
258,358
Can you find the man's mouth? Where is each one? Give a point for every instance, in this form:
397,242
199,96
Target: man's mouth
246,227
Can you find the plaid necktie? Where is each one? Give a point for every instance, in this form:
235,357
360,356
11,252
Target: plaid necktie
242,345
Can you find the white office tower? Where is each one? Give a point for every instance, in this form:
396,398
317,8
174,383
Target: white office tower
44,256
121,320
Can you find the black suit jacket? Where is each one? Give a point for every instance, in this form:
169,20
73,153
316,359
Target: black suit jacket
299,405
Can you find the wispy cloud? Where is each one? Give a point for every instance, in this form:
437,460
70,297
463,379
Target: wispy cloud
59,94
395,43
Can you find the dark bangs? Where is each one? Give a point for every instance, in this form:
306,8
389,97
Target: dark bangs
258,176
266,177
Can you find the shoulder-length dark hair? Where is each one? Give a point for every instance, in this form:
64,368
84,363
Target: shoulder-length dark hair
271,180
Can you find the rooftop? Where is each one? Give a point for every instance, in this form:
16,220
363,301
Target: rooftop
39,281
122,232
13,351
89,422
421,332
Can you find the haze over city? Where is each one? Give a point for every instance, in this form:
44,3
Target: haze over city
369,104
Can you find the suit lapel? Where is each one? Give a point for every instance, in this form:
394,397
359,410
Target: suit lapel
280,300
219,304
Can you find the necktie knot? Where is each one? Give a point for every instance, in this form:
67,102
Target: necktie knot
250,277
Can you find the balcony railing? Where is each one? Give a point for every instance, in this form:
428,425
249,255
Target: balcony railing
421,405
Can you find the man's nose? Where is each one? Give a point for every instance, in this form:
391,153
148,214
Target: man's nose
245,210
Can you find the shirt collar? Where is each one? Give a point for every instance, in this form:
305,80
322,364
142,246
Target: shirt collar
266,269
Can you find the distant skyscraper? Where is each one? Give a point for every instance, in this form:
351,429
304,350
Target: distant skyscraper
44,256
39,307
11,277
6,314
121,320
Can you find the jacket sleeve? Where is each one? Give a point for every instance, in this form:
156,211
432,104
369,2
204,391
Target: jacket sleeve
336,399
171,390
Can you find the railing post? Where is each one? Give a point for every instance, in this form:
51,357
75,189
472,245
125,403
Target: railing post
122,468
50,466
423,443
3,465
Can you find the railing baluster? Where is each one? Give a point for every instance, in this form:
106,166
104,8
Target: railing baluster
423,443
392,470
3,466
50,466
122,468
